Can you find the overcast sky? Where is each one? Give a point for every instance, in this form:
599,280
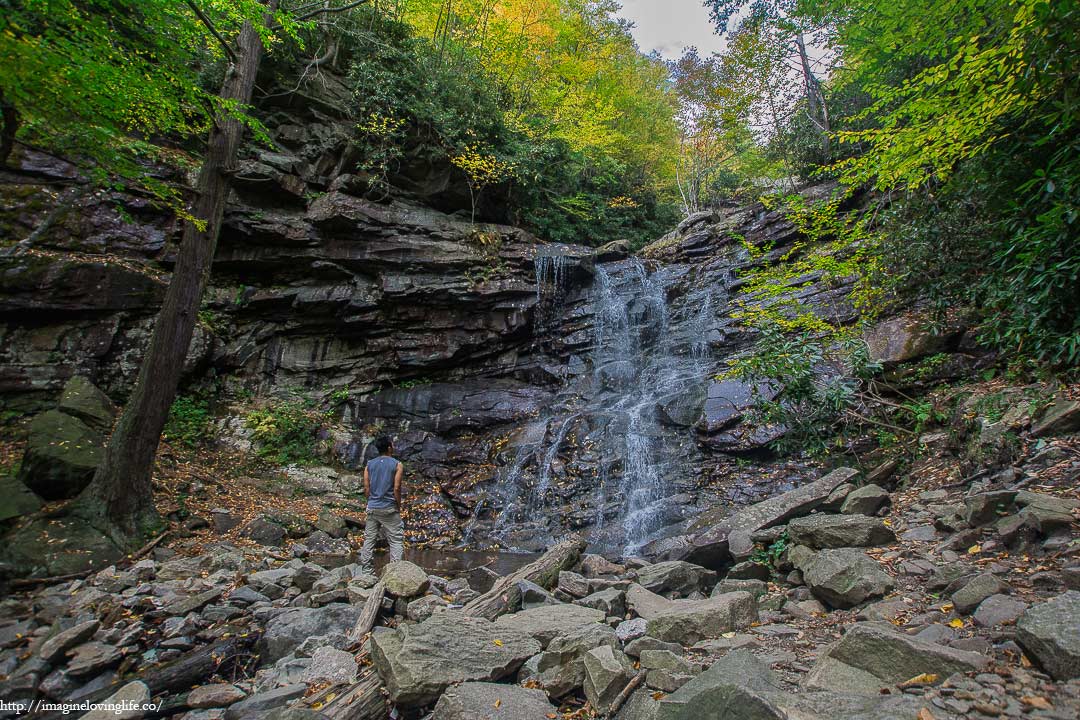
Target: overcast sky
669,26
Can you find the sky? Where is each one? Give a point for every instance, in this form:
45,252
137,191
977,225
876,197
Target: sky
669,26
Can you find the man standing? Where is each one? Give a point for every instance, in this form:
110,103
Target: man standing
382,484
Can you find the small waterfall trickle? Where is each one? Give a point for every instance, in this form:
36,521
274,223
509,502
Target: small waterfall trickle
551,272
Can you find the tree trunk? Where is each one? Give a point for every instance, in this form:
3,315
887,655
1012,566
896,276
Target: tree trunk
10,117
544,571
119,501
814,97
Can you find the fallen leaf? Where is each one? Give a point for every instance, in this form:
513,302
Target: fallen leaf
956,623
920,679
498,702
657,695
498,642
1024,662
1036,701
947,607
975,549
925,714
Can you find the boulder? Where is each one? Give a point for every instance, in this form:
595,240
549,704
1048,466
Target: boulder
983,508
675,576
260,705
757,588
900,339
559,670
610,602
841,578
53,649
91,658
718,539
646,604
739,686
215,696
839,531
689,621
421,608
83,400
998,610
286,631
62,454
974,591
417,662
532,595
629,630
872,656
16,499
336,667
573,584
1063,416
593,566
404,579
124,704
264,531
1050,633
475,700
544,623
607,671
867,500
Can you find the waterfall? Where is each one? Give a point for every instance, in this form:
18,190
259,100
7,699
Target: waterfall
647,356
550,272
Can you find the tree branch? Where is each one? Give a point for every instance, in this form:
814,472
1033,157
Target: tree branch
213,30
324,11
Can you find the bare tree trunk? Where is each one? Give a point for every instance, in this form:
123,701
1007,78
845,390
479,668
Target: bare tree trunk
10,117
119,501
814,97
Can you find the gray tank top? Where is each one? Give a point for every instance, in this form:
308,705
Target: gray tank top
381,478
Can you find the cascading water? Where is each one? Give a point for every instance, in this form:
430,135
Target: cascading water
610,429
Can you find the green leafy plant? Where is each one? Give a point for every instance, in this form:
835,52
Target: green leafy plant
286,432
770,554
189,420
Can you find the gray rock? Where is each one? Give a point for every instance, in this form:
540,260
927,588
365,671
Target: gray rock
983,508
532,595
261,704
91,658
215,695
417,662
306,576
841,578
631,629
404,579
665,660
593,566
980,587
53,649
690,621
871,656
544,623
1063,416
681,578
998,610
607,671
264,532
16,499
757,588
867,500
610,602
560,669
477,700
421,608
332,666
573,584
288,630
132,696
62,454
839,531
636,647
646,604
711,545
1050,634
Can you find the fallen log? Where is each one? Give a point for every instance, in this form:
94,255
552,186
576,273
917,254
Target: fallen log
363,700
368,615
544,571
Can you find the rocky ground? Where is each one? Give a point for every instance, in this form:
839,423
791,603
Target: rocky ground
934,593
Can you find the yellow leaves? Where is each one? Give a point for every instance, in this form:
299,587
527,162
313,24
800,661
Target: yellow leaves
497,642
920,679
974,549
498,703
947,607
956,623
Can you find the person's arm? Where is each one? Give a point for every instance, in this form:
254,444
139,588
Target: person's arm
367,483
397,484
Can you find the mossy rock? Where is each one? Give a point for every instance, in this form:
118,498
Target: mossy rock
62,454
81,399
16,499
51,547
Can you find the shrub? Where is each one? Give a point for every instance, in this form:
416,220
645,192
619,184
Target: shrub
189,420
286,433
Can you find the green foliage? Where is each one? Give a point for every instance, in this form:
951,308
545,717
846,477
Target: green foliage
189,420
286,432
770,555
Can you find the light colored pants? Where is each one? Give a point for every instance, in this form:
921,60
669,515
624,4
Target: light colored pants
389,521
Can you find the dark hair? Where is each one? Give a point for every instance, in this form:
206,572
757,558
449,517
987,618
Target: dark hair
383,443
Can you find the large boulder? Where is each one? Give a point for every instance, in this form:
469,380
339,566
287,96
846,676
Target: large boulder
16,499
285,632
873,656
690,621
675,576
843,577
475,700
83,400
62,454
1050,633
545,622
838,531
866,500
417,662
717,539
404,579
559,670
607,671
739,686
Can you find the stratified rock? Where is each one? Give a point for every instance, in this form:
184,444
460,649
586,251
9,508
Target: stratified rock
417,662
980,587
871,656
289,629
91,658
681,578
689,621
475,700
404,579
1050,633
215,696
544,623
573,584
607,671
842,578
62,454
866,500
1061,417
718,539
53,649
839,531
